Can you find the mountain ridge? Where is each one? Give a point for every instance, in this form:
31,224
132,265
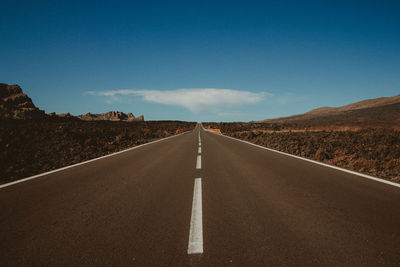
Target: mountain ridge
376,111
368,103
111,116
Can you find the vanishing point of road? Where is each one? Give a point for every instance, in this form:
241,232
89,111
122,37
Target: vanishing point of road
199,199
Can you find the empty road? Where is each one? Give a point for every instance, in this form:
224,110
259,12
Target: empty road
200,199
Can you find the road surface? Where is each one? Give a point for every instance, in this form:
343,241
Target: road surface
248,207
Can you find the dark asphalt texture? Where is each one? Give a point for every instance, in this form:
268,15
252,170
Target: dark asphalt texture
260,208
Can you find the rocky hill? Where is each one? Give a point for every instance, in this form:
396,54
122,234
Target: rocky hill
14,104
384,111
111,116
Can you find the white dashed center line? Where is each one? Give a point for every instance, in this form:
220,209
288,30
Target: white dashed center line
198,163
195,245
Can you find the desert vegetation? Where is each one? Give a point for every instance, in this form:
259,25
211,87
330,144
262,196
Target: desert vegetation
29,147
370,150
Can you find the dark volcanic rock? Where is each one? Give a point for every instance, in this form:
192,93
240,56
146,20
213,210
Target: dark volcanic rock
14,104
29,147
372,150
111,116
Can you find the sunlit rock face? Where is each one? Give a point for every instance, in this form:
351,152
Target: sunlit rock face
111,116
14,104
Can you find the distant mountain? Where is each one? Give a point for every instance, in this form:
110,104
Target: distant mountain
369,103
111,116
14,104
383,111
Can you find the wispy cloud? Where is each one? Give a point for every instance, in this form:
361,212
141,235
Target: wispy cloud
194,99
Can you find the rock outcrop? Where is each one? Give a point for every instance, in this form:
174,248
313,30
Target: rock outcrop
140,118
111,116
14,104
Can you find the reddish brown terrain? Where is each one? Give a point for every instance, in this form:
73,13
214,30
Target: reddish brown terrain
32,142
384,111
364,136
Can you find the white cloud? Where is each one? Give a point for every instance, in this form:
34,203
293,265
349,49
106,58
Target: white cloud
194,99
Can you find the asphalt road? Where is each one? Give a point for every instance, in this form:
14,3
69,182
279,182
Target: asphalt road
251,207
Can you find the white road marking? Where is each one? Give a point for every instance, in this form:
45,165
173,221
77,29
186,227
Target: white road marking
198,163
195,245
199,151
84,162
317,162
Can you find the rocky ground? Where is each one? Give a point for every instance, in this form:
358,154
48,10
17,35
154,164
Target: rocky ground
370,150
30,147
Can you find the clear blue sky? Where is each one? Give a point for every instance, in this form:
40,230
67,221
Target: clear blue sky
276,58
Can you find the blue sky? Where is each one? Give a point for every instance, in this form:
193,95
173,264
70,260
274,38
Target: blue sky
200,60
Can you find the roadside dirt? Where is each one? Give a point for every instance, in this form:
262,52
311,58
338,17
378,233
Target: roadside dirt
218,131
371,150
30,147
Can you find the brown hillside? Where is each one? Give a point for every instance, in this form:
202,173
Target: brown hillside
369,103
380,111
